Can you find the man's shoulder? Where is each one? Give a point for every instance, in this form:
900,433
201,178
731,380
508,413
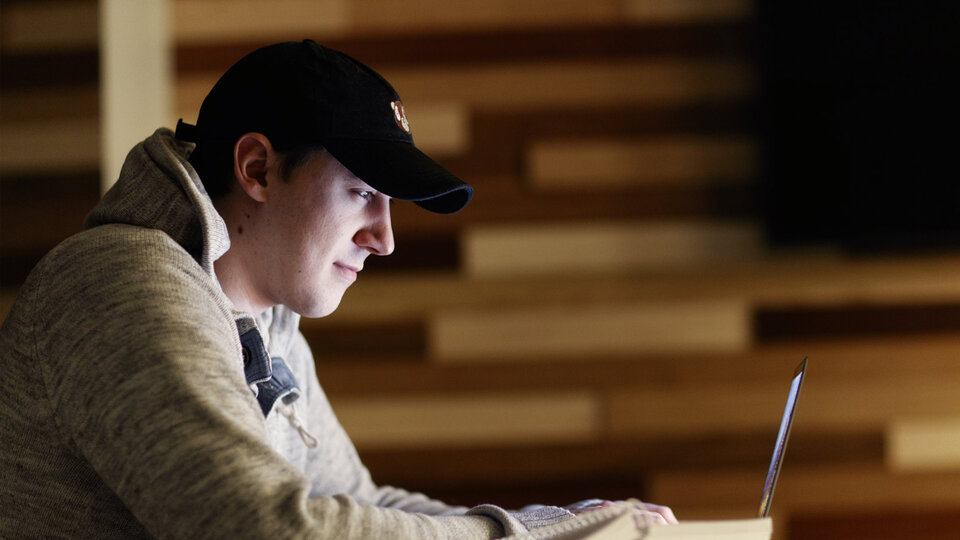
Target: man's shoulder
115,248
117,280
117,262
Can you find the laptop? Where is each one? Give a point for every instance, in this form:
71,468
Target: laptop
781,445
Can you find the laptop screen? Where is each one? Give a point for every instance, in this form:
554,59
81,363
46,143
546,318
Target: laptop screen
774,471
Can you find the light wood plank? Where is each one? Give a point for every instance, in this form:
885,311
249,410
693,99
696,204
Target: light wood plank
216,21
580,164
919,444
469,420
867,402
441,129
545,85
602,248
49,26
558,84
50,146
552,332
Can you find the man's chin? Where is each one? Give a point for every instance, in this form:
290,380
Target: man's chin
319,309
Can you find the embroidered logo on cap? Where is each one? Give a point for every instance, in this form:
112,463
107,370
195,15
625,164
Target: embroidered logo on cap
400,116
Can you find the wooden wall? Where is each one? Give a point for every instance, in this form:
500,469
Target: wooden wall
605,319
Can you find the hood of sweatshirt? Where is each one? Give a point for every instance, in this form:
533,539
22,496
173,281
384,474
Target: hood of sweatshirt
159,189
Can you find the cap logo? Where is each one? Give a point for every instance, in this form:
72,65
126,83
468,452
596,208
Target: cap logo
400,116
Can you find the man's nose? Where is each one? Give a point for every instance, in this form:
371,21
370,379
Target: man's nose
377,236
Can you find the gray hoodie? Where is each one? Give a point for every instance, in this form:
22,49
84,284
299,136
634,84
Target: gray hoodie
126,412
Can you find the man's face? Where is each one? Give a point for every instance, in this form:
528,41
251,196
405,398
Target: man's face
321,224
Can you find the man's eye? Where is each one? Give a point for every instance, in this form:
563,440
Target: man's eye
364,194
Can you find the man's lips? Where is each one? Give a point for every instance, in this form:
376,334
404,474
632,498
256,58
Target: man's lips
348,270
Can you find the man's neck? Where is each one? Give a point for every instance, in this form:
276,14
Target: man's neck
232,270
236,285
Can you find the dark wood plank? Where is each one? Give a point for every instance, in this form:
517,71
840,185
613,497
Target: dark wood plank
36,213
23,71
344,373
855,321
882,524
610,41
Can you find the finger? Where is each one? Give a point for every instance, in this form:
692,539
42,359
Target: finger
667,513
653,517
664,512
588,505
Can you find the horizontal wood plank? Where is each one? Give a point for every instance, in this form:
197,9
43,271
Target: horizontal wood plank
890,357
214,21
50,146
479,419
458,15
620,163
866,402
52,25
677,11
921,444
45,71
596,247
852,321
880,524
384,15
440,129
549,332
827,488
561,84
49,103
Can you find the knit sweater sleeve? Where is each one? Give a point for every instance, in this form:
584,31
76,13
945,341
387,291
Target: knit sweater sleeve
140,361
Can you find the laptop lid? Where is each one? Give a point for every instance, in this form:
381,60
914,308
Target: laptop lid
774,471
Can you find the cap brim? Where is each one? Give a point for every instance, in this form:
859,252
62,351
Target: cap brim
400,170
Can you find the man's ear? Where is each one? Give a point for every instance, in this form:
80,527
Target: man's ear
253,156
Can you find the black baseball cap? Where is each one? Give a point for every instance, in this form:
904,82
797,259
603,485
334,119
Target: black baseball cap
298,93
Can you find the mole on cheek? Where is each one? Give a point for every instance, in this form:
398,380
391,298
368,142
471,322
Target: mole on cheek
240,229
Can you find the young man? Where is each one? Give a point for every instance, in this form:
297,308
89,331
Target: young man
155,382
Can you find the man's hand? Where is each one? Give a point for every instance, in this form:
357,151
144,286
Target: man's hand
654,512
